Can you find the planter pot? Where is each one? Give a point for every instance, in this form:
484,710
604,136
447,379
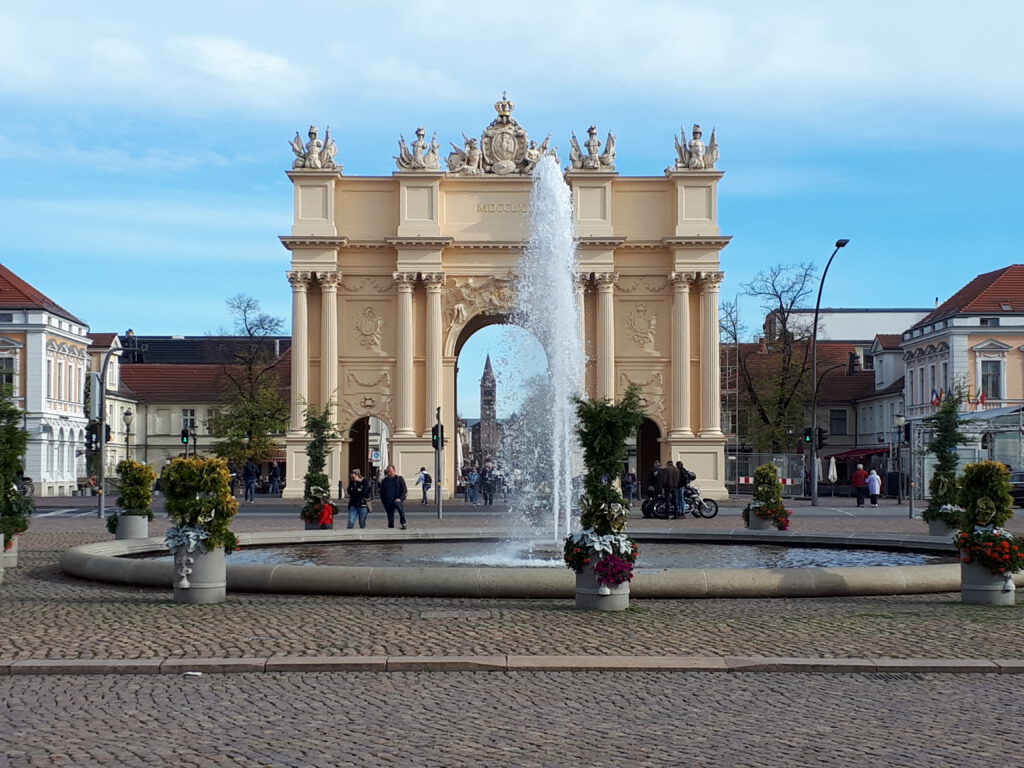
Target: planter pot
132,527
760,523
941,528
10,557
592,596
200,576
979,586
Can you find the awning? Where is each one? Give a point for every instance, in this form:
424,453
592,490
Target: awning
279,454
858,453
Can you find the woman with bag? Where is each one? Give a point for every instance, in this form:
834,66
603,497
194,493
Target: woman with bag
358,499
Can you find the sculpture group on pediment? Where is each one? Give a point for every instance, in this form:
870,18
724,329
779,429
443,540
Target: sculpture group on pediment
504,148
315,154
419,156
694,155
479,295
592,159
467,161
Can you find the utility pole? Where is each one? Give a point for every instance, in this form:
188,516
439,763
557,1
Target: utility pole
438,451
101,511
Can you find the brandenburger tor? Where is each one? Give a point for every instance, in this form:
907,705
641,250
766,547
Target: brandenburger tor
391,275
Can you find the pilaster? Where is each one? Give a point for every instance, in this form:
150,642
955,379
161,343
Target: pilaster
605,352
314,202
404,384
710,360
329,340
434,282
681,390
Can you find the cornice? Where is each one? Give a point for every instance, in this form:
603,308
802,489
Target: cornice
314,173
291,242
701,241
586,243
426,243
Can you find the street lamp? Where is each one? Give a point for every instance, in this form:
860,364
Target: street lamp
897,428
814,378
128,418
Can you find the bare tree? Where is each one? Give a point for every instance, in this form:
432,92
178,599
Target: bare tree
774,375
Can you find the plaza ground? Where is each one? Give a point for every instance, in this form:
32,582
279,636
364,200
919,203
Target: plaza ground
912,714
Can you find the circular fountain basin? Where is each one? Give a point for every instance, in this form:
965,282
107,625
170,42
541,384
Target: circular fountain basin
118,562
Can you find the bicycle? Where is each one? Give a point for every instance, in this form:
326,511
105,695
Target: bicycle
26,487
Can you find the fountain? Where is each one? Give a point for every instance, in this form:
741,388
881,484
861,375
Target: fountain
546,306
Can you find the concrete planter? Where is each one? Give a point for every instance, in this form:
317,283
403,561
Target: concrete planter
200,576
760,523
132,527
10,558
592,596
941,528
979,586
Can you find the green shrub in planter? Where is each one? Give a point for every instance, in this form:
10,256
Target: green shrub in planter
199,501
136,491
944,487
987,505
767,499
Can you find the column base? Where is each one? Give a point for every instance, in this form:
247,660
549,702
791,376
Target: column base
704,455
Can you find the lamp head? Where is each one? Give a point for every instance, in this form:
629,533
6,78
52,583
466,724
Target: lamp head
841,243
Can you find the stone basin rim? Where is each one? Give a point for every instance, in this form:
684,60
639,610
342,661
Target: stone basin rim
106,561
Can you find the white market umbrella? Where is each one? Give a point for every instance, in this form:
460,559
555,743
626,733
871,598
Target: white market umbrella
832,474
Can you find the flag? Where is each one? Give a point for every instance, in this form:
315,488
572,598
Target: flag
981,397
935,397
943,395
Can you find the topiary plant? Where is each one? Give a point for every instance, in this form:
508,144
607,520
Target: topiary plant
316,483
199,502
767,498
944,488
985,495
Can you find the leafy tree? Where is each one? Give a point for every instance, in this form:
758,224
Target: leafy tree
944,488
14,508
773,380
253,410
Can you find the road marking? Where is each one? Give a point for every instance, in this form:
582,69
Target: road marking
55,512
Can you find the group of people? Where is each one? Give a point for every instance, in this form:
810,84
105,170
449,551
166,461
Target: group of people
866,484
670,481
481,482
392,492
251,476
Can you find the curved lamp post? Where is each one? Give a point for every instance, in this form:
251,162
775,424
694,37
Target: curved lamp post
814,378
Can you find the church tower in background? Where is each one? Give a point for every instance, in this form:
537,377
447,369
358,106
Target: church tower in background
486,436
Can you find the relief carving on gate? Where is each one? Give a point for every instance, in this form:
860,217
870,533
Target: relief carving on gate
652,390
367,393
478,295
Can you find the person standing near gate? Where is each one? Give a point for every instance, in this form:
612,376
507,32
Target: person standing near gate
358,493
874,484
393,491
275,478
859,483
250,476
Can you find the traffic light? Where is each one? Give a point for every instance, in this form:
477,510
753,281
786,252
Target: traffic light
184,437
822,435
91,433
437,436
106,433
808,435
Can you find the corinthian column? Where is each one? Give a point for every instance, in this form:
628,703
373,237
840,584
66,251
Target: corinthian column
300,348
328,338
681,389
710,361
403,366
434,283
605,352
582,281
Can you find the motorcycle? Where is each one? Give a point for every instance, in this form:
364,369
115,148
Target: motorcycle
662,507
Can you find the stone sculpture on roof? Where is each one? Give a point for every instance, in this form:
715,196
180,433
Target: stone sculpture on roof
420,156
315,154
693,155
592,159
504,147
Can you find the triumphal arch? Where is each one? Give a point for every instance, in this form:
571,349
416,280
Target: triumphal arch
391,275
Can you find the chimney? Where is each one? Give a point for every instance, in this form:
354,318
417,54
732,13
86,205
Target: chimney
936,302
762,346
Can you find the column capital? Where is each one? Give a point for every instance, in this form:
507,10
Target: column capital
433,280
299,279
681,280
711,280
404,280
582,281
606,280
328,280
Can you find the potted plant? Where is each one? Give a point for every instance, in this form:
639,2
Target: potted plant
14,508
766,509
135,501
316,482
943,511
200,506
989,555
601,553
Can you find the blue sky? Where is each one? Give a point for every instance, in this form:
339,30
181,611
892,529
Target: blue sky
143,147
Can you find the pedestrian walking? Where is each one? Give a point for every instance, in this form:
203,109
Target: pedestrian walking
874,484
250,476
393,491
275,478
628,486
358,492
859,483
487,479
473,485
424,479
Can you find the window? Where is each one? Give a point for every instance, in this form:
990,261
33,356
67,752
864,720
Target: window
867,361
211,414
992,379
188,419
945,376
6,317
49,378
931,374
7,372
837,421
920,387
990,321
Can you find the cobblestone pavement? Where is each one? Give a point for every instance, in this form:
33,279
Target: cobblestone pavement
642,718
513,719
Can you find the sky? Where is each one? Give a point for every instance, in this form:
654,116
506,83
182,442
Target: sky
143,146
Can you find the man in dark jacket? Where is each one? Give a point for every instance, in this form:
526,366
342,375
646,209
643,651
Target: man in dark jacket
671,483
393,491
